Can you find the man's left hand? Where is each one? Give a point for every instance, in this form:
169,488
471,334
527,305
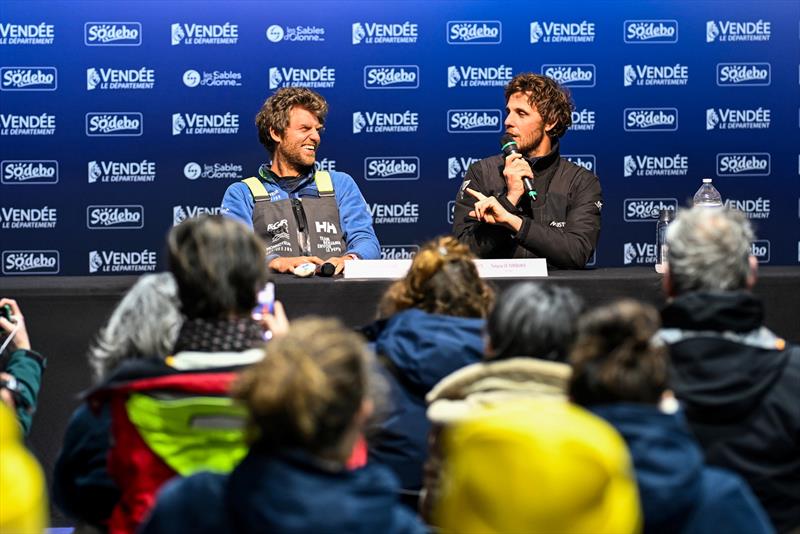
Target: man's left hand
490,211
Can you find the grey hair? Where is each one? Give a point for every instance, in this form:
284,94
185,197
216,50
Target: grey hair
709,249
144,324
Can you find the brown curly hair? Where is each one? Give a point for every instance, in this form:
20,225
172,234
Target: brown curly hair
552,101
274,113
442,279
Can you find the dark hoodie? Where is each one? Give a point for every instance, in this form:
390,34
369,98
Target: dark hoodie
417,349
678,493
741,391
286,493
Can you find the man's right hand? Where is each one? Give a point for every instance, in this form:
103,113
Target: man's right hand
516,168
287,265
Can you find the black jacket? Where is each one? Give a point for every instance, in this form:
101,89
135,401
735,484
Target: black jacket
561,225
741,390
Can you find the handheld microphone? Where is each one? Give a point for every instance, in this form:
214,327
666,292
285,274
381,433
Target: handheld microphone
508,146
326,269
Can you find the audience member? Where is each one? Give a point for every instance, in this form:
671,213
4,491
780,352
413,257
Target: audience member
308,400
739,382
620,373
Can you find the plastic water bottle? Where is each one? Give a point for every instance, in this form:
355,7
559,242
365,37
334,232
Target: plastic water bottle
664,218
708,196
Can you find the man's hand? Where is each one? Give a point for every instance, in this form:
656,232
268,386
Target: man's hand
489,210
276,322
338,262
515,170
286,265
20,340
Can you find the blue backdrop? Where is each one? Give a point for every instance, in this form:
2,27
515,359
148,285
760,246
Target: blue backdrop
119,119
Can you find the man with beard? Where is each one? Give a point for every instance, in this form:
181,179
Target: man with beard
559,218
303,216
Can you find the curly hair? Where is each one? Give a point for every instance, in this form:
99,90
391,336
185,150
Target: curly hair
442,279
274,113
552,101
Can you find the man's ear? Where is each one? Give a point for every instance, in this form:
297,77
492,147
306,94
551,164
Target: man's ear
273,133
752,276
548,127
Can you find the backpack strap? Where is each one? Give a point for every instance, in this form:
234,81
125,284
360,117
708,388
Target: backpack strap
324,183
257,189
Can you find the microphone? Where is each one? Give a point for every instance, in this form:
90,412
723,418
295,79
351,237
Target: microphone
508,146
326,269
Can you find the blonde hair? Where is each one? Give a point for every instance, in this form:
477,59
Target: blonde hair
308,388
442,279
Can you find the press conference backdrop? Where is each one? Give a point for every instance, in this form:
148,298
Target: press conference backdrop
120,119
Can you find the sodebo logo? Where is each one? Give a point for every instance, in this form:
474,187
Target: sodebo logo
29,171
114,123
28,262
743,74
744,164
391,168
466,32
650,31
587,161
391,77
474,120
112,34
102,217
760,248
575,75
28,79
650,119
399,252
646,209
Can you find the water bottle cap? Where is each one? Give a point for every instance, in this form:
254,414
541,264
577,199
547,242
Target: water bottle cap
706,180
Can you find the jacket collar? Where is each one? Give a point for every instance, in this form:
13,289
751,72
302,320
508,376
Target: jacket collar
736,311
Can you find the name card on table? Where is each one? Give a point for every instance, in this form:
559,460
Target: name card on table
394,269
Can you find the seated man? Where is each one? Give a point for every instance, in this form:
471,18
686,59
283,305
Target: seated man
302,215
559,217
739,382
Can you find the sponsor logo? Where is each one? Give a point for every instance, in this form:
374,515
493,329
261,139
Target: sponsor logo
583,120
472,76
639,253
729,31
644,165
457,166
28,79
650,119
743,74
205,34
295,34
399,252
321,78
114,124
325,227
375,122
112,34
28,218
121,171
116,261
562,32
650,31
202,124
758,208
120,79
577,75
214,78
325,164
114,217
738,119
760,248
28,262
474,120
181,213
646,209
391,168
587,161
744,164
31,171
213,171
467,32
27,34
451,211
391,77
405,213
43,124
649,75
375,33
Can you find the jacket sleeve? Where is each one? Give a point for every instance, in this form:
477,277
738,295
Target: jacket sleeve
569,247
238,203
27,367
356,219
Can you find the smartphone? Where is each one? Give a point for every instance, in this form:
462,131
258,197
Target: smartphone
266,302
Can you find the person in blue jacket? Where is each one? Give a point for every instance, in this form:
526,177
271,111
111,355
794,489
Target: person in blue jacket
308,401
620,373
431,324
302,215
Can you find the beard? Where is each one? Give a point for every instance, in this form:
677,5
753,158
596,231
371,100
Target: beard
531,143
296,156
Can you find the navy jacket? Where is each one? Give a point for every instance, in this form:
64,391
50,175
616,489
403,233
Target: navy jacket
417,349
289,494
678,492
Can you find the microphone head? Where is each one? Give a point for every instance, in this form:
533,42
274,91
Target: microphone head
508,145
326,269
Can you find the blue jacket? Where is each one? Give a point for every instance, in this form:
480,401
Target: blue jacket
417,350
679,493
282,494
353,210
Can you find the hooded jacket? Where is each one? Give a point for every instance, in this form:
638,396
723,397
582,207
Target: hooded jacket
740,385
417,349
286,493
678,492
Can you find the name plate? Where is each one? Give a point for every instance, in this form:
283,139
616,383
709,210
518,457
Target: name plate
394,269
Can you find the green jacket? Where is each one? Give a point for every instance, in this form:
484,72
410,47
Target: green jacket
27,367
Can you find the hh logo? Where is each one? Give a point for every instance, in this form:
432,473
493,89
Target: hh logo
326,227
